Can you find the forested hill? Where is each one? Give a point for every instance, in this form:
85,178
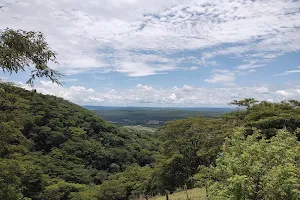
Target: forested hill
51,149
48,144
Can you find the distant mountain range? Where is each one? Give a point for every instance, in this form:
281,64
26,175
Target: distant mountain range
158,108
153,116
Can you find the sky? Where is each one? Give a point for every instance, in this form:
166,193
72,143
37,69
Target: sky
178,53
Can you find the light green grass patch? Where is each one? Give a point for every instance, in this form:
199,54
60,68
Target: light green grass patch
194,194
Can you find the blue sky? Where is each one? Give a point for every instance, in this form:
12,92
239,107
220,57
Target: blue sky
165,53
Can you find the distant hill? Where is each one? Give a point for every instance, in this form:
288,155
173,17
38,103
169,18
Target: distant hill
209,109
153,116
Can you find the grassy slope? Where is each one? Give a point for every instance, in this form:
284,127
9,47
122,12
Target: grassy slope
194,194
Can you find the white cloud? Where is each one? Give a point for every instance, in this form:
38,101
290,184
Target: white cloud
262,90
221,76
70,80
193,68
142,69
227,77
101,78
213,63
145,87
285,93
175,96
289,72
77,94
217,78
4,79
91,35
249,66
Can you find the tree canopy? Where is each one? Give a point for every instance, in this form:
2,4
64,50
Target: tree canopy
248,102
20,49
53,149
257,168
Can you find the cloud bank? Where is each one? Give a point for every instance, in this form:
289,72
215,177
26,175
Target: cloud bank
187,96
119,35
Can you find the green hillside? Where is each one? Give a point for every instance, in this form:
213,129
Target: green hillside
51,149
47,143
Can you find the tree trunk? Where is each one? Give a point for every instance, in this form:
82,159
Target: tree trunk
187,194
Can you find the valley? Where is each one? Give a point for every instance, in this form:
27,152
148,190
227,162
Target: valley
153,116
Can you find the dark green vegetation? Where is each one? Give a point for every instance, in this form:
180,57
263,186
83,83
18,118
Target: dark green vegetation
152,117
53,149
50,147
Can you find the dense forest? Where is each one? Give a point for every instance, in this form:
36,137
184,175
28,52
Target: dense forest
50,147
53,149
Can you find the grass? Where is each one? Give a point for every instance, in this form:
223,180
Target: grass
194,194
141,128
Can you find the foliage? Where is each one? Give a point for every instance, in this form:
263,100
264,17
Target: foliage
61,190
257,168
130,184
20,49
53,149
60,144
20,179
248,102
267,117
188,144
